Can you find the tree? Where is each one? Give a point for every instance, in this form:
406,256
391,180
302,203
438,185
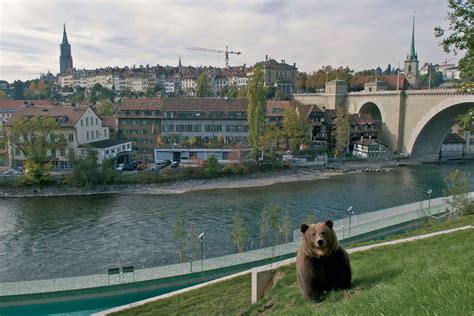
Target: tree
18,90
388,71
34,136
275,222
457,187
239,233
104,108
466,120
295,129
203,87
212,165
232,91
3,96
301,81
286,226
32,88
269,140
180,233
85,171
310,218
343,126
461,37
263,222
256,109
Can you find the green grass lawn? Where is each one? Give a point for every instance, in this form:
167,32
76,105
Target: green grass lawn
432,276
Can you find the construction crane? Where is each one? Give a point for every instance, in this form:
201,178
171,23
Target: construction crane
226,52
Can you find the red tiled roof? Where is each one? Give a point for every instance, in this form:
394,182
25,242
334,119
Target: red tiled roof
204,104
16,104
140,104
71,113
109,121
390,80
283,105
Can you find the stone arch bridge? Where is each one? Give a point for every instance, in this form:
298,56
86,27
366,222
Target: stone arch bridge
414,122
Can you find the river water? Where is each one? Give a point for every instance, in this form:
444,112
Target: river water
48,237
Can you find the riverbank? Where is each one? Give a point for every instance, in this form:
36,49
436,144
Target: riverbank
260,179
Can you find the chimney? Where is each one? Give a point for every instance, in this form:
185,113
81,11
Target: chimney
294,65
266,57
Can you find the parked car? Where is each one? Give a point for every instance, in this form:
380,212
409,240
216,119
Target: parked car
11,172
174,164
128,167
160,164
120,167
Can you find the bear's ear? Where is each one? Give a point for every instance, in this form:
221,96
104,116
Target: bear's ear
304,228
329,223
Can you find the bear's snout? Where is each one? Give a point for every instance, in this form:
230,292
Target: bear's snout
320,242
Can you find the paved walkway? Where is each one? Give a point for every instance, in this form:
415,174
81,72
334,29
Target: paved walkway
276,265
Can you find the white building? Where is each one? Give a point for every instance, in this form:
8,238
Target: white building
80,126
453,146
369,148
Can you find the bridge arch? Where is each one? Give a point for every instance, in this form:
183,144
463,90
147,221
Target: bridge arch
426,138
373,107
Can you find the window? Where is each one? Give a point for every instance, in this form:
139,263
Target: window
96,121
71,137
87,135
197,128
53,152
82,123
62,152
87,121
215,114
97,134
92,134
105,132
144,131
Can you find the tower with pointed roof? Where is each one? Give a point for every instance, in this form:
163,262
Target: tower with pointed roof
411,63
65,59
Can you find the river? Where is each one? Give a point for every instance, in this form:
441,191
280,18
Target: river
47,237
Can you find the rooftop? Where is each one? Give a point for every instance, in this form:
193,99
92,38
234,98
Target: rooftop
105,143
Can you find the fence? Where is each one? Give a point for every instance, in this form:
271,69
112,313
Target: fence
362,223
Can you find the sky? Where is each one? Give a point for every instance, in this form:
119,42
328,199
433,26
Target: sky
360,34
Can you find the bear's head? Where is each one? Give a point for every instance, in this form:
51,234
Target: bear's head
319,240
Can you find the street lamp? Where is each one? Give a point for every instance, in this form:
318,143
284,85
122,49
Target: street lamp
429,200
349,210
201,237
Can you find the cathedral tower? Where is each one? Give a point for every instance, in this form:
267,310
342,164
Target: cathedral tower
411,63
65,59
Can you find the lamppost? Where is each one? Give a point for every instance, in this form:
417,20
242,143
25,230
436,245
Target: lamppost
201,237
349,210
190,257
429,200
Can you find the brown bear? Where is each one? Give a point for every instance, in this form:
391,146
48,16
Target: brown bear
321,263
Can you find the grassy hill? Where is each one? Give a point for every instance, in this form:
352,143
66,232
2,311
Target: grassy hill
430,276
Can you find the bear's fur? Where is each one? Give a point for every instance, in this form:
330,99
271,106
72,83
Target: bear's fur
321,263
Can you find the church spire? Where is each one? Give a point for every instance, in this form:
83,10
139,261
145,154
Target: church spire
412,55
64,34
179,63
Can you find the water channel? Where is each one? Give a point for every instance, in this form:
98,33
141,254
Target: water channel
48,237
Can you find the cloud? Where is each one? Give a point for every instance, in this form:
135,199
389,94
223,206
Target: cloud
362,34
